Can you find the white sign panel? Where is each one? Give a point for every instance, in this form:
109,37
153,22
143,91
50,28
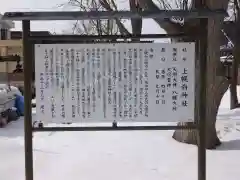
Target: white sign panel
143,82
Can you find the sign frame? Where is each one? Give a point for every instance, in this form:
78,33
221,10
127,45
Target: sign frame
165,72
201,13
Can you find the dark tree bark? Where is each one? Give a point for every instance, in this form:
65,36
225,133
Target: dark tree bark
136,23
234,71
216,85
233,84
190,136
121,27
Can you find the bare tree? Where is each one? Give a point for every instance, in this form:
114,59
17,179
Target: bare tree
216,84
99,27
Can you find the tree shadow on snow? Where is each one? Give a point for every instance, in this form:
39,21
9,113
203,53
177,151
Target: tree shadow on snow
227,114
229,145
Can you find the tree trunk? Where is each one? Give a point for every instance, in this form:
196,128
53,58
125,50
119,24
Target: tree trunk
234,71
190,136
216,87
233,86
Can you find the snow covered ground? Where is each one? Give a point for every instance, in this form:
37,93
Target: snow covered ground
120,155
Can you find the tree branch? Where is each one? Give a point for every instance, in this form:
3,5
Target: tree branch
169,26
121,27
136,23
172,27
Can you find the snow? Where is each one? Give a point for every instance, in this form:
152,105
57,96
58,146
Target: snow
143,155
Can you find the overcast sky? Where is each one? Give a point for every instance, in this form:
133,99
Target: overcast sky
149,26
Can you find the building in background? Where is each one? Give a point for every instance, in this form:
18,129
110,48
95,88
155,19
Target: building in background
11,45
5,35
5,47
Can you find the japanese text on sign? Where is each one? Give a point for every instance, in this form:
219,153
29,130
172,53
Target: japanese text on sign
142,82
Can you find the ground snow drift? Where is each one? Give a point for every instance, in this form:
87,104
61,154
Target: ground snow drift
121,155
